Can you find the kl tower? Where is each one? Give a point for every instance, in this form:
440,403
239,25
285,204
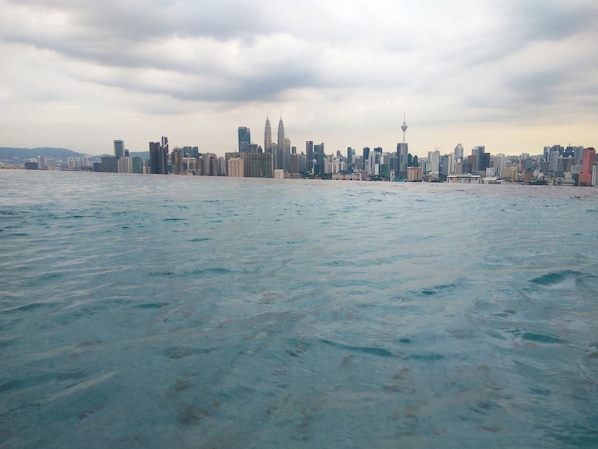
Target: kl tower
404,127
402,155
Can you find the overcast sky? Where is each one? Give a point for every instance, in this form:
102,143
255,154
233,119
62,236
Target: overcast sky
513,75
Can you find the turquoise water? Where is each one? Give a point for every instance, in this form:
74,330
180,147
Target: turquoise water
193,312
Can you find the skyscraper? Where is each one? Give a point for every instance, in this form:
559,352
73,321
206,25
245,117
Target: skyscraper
433,164
589,157
119,148
159,156
350,154
309,156
280,145
319,159
365,157
124,165
402,160
177,161
252,164
267,164
137,164
244,135
402,155
286,155
459,152
268,137
236,167
480,159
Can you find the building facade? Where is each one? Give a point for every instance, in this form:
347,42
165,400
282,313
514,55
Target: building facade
589,158
279,159
244,139
159,157
235,167
119,148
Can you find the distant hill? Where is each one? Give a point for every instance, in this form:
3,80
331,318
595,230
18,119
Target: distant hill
11,155
19,155
141,154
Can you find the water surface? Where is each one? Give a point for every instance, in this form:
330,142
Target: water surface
163,311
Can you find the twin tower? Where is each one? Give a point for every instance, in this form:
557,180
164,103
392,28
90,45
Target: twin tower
281,150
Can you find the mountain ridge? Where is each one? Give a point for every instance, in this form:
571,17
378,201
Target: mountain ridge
20,155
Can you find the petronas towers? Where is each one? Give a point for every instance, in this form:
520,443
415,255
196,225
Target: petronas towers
281,149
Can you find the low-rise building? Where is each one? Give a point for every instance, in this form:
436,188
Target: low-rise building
466,178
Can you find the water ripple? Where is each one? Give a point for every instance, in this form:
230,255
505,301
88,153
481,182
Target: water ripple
267,313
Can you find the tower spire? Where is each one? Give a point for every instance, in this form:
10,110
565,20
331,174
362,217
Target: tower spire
404,127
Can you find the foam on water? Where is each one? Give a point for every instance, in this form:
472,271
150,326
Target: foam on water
161,311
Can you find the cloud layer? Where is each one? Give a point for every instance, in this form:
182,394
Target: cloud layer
514,75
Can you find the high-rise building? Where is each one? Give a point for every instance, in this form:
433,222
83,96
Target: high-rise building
159,156
319,159
269,147
119,148
155,155
137,164
375,162
294,166
577,155
433,164
301,162
589,158
350,154
189,151
252,163
451,165
124,165
286,155
445,164
309,156
553,160
365,157
480,160
414,174
244,136
385,165
235,167
42,163
109,164
177,161
280,145
267,170
402,160
268,137
458,152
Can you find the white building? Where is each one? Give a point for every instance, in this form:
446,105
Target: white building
235,167
125,165
434,162
464,179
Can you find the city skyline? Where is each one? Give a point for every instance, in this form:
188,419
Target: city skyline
512,76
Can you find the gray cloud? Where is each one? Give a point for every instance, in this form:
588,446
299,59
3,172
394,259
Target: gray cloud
476,61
